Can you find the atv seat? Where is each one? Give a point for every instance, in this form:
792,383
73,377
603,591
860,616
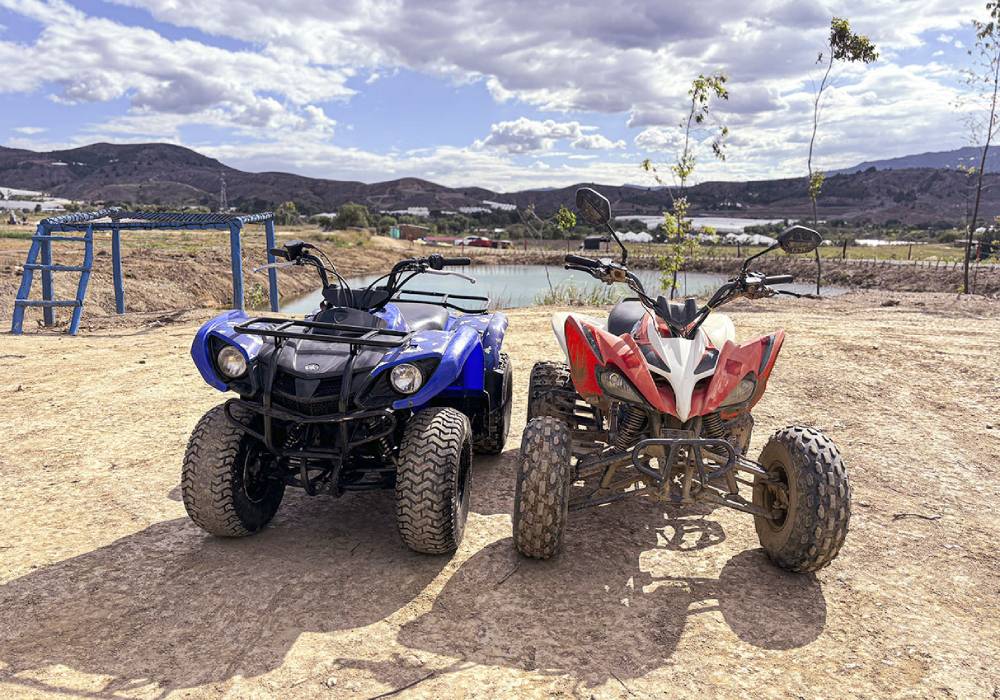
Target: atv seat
422,317
624,315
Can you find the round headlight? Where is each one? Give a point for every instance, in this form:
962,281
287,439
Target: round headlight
743,391
231,362
406,378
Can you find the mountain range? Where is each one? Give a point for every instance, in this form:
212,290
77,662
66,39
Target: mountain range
916,190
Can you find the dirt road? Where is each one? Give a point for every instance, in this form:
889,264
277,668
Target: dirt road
107,590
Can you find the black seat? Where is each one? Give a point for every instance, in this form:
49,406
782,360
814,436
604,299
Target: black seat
423,317
624,315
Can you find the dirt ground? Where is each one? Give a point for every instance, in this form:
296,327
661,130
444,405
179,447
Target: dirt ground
107,590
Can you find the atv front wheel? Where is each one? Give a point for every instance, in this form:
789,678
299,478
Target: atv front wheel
541,497
807,486
227,483
433,478
497,422
550,390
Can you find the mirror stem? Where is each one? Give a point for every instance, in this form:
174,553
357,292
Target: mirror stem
614,234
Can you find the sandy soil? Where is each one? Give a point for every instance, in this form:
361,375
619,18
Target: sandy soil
107,590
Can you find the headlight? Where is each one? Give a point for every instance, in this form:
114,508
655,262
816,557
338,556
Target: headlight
406,378
616,385
742,393
231,362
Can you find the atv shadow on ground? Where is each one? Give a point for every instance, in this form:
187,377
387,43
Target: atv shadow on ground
607,607
170,607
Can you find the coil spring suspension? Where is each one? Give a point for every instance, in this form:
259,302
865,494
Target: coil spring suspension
711,426
630,424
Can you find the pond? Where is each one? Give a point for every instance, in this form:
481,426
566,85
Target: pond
721,224
513,286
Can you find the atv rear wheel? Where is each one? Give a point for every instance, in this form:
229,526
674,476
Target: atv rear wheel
433,479
497,422
227,480
550,390
541,497
809,485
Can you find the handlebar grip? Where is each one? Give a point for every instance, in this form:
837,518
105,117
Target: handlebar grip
581,261
457,262
778,279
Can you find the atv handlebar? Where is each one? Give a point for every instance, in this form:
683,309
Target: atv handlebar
458,262
778,279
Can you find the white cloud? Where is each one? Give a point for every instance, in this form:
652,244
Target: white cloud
634,60
595,142
525,135
30,130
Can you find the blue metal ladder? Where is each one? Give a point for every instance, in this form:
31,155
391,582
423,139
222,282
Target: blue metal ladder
41,243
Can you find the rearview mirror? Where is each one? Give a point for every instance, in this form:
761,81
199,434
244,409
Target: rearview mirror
799,239
594,206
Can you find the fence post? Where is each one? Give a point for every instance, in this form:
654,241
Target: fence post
843,254
272,274
48,312
116,269
236,259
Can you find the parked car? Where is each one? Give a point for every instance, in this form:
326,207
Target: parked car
475,242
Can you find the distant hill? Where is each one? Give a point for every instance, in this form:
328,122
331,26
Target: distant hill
968,156
174,176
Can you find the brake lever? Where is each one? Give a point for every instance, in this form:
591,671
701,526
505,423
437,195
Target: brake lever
467,278
276,265
795,294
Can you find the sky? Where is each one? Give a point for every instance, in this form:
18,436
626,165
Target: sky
504,94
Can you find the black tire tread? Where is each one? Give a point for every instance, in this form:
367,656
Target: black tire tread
207,479
493,439
824,506
541,496
430,455
550,389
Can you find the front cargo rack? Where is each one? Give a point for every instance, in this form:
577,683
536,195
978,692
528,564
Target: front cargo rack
274,327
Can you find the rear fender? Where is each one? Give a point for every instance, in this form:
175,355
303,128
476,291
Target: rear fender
222,327
460,366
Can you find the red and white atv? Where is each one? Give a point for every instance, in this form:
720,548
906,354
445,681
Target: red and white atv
656,402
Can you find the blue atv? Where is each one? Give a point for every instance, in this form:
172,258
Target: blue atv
379,388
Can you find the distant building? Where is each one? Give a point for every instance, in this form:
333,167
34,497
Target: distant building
409,232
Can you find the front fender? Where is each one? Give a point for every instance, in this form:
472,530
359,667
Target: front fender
223,328
492,328
461,361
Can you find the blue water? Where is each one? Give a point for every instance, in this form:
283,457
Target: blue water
514,286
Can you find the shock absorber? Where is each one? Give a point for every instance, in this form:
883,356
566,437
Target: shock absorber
712,427
630,424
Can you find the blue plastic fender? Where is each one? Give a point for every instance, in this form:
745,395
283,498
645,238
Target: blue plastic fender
492,328
393,318
460,366
222,327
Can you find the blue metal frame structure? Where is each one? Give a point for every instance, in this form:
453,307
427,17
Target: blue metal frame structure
117,220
